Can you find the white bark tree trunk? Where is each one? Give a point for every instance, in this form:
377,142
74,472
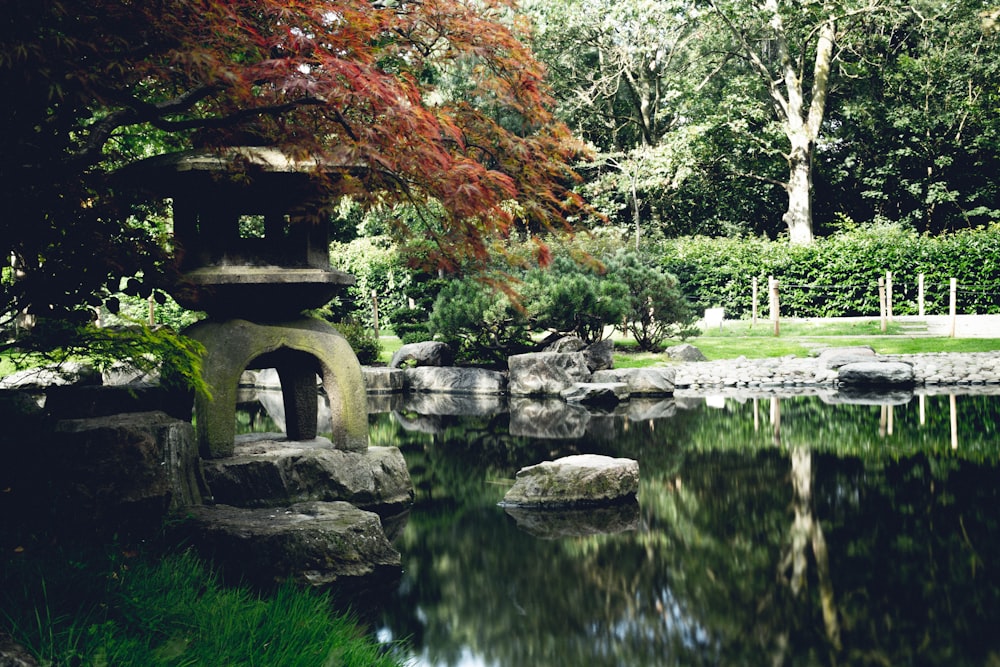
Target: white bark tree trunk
801,122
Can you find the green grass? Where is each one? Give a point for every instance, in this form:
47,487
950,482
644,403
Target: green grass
147,611
802,339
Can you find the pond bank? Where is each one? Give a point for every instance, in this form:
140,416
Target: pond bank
929,369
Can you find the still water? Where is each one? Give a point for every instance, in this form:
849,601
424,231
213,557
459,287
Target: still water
770,531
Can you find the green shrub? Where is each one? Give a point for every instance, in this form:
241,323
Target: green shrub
570,297
656,308
837,276
479,322
363,340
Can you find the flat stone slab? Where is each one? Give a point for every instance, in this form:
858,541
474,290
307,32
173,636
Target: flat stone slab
650,381
455,380
313,543
596,393
383,380
876,373
583,479
267,470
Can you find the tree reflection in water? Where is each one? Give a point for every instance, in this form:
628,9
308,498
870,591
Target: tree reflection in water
819,537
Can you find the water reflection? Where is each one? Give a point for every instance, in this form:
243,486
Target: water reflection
780,531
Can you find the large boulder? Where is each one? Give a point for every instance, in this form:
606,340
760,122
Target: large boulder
38,379
583,479
875,374
120,472
86,401
427,353
685,352
455,380
600,355
268,470
834,357
546,373
313,543
650,381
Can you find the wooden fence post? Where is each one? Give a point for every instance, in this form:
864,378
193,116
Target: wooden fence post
375,311
952,308
774,303
881,303
753,317
888,296
920,294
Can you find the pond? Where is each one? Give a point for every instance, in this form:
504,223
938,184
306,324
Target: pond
776,530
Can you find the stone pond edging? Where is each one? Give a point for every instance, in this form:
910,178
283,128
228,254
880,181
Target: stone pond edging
563,374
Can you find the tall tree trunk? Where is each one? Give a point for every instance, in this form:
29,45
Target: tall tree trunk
798,216
801,122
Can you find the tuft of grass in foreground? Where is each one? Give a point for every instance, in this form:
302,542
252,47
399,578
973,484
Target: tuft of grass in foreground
171,611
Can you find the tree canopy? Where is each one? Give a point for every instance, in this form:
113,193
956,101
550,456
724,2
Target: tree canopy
93,86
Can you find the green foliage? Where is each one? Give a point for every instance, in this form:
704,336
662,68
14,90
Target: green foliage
657,310
479,322
178,359
573,298
363,341
92,610
838,276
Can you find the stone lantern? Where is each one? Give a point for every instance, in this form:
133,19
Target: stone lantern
252,248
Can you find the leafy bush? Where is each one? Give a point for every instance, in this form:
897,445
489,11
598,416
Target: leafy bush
573,298
656,308
837,276
363,340
479,322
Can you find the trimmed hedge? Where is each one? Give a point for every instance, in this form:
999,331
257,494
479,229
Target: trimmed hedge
837,276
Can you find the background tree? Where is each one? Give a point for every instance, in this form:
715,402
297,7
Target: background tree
913,131
103,83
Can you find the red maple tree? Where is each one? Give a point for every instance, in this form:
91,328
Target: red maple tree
92,85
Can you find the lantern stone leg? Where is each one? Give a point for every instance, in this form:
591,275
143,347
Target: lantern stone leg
298,349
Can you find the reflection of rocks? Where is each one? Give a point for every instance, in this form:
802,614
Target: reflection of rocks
876,373
418,423
643,409
550,418
266,469
867,396
583,479
554,524
314,543
384,403
546,373
455,404
654,381
455,380
426,353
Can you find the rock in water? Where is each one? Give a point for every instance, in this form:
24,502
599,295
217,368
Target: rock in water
584,479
